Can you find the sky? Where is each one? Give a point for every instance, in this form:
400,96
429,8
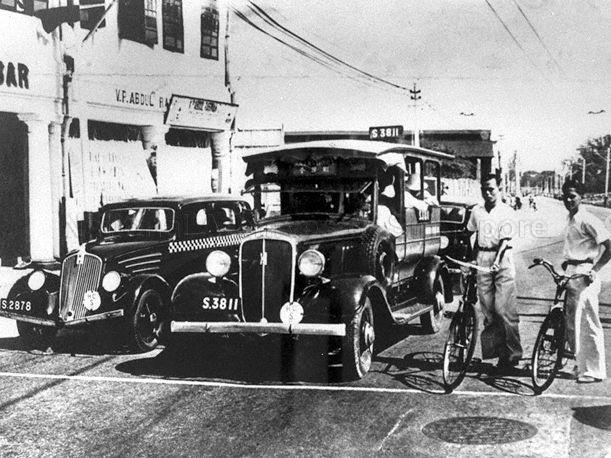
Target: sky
527,70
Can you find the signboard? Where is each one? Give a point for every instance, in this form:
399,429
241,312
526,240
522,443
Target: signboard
385,132
200,113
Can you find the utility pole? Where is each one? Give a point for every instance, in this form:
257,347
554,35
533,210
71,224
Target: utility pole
607,177
415,96
583,171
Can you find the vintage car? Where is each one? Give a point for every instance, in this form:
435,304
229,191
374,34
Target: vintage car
319,262
143,249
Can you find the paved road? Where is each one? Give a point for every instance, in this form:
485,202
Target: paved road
89,397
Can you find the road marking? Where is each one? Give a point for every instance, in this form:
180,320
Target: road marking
393,429
153,381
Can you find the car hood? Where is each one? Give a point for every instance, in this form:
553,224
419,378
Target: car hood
319,229
113,250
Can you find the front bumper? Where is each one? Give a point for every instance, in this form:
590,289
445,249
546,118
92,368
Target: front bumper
54,323
28,319
232,327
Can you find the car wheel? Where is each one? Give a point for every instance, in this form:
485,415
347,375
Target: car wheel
357,346
380,255
431,320
35,336
146,321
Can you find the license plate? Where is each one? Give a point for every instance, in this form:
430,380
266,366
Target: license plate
15,305
221,304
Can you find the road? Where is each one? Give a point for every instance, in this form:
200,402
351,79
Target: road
89,397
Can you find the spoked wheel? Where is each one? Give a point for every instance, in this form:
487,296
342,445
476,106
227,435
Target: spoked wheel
459,347
547,354
357,346
431,321
146,321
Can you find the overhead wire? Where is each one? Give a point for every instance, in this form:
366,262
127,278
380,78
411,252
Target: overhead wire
532,27
515,40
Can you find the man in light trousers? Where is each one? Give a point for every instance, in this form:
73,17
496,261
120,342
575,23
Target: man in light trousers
494,223
587,248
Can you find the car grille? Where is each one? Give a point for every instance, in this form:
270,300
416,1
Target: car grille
77,278
265,288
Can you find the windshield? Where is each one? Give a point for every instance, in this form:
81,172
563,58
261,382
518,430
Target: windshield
307,197
137,219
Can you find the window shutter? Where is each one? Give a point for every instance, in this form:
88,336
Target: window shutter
138,21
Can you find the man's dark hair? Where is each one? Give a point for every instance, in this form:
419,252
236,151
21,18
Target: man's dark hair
571,183
491,176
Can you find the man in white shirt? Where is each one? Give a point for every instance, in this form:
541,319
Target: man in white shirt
585,237
385,219
494,223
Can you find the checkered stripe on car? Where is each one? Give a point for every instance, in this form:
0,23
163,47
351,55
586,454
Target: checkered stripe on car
204,243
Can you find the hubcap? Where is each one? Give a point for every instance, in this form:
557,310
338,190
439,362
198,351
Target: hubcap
368,335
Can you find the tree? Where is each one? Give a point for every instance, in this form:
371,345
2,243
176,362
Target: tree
594,151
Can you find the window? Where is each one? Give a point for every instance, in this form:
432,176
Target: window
196,220
171,12
24,6
210,31
138,21
90,12
225,217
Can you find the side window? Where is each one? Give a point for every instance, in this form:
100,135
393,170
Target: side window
171,12
225,216
196,221
210,31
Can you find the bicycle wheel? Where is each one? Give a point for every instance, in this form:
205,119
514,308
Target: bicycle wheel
549,348
459,346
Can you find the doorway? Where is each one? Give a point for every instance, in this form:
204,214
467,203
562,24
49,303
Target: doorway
14,233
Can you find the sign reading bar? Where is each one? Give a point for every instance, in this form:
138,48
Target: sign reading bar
200,113
385,132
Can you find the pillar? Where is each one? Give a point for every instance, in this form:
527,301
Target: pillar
153,139
221,161
55,165
39,189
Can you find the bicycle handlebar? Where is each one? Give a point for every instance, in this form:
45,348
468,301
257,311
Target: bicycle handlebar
555,275
469,265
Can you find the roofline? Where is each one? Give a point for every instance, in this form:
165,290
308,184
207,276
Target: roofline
367,147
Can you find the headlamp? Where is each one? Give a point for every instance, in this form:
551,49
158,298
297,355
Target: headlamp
311,263
111,281
218,263
36,280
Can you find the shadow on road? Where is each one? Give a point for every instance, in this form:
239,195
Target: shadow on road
416,370
95,340
596,416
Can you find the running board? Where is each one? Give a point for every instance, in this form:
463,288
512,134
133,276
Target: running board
409,313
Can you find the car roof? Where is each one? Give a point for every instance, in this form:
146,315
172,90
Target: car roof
364,149
173,201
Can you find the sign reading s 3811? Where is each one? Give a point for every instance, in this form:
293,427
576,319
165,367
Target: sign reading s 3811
385,132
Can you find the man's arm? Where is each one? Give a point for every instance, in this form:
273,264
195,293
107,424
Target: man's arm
605,257
500,252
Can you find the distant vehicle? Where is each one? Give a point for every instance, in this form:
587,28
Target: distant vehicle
319,262
126,275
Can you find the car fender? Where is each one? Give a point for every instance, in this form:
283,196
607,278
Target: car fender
425,273
341,297
139,284
21,290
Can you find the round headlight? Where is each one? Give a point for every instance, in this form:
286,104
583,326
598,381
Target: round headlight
311,263
36,280
218,263
111,281
444,242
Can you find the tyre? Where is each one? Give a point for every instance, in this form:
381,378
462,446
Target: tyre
459,346
35,336
145,322
548,351
357,345
380,254
431,320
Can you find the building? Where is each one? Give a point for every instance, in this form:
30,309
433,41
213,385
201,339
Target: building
105,101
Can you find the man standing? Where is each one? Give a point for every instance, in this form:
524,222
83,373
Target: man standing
494,223
585,238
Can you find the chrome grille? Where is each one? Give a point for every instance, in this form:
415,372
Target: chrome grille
80,273
266,277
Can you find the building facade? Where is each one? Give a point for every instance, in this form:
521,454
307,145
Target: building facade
105,101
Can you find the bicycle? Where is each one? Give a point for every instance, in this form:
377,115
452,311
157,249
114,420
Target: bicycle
549,349
462,335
